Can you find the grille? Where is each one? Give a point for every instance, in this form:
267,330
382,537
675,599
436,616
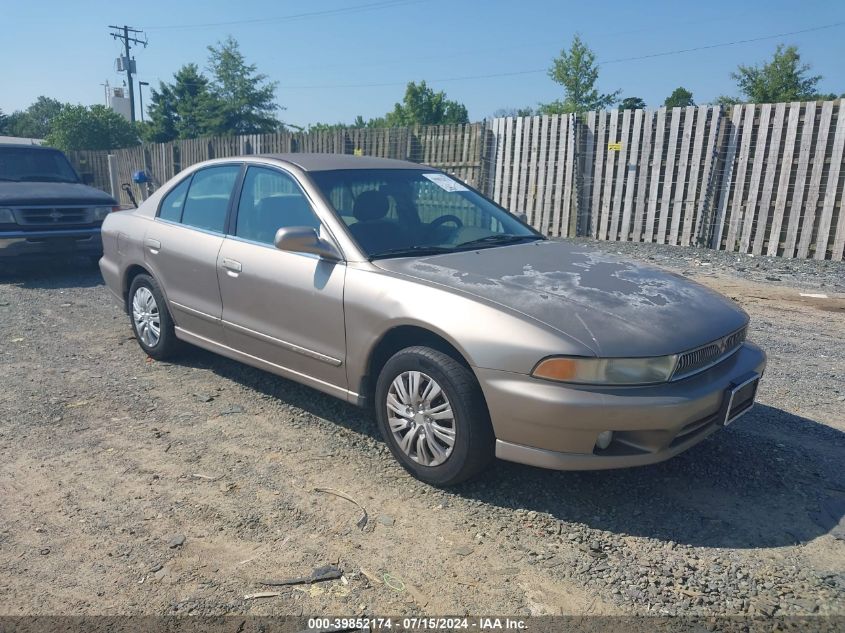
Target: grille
53,216
710,354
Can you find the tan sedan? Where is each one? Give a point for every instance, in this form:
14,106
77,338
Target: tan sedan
392,285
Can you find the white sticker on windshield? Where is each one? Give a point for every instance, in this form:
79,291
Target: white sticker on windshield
445,183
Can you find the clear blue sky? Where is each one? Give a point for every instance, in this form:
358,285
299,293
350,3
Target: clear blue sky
62,49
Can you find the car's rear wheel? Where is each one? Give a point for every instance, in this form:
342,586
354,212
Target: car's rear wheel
150,319
432,415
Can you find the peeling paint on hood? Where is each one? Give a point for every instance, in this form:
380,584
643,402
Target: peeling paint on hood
615,307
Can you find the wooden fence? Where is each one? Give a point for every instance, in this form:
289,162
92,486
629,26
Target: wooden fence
762,179
456,149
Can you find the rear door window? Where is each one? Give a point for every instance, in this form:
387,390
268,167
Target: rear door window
207,203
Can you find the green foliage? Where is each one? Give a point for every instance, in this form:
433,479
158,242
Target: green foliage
632,103
36,120
198,111
359,122
422,106
576,70
95,127
4,122
327,127
784,78
247,98
160,126
503,112
236,100
680,98
726,100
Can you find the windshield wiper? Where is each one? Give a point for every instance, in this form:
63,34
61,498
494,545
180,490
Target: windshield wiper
498,239
413,250
6,179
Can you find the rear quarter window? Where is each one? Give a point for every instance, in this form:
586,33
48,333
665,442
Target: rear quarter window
171,205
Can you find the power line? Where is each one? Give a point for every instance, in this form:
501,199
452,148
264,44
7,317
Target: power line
372,6
611,61
735,42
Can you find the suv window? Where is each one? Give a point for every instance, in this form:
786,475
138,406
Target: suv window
271,200
208,197
171,205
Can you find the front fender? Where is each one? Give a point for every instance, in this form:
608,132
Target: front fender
487,335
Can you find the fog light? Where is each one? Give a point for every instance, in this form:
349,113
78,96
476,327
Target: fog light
604,439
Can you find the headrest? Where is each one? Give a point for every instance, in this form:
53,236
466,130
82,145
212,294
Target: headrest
371,205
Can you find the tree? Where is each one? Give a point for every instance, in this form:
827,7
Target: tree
576,70
161,115
503,112
784,78
680,98
36,120
632,103
198,111
422,106
95,127
4,122
248,99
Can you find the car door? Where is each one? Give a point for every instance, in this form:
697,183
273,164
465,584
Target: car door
182,244
284,308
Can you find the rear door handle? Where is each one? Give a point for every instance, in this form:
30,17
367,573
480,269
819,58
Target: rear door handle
232,266
153,245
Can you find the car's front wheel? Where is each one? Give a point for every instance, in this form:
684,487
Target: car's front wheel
151,321
432,415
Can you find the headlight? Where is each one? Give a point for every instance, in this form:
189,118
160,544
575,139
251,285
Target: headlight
100,213
607,371
7,217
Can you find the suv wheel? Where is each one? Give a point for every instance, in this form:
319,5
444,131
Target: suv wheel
150,319
432,415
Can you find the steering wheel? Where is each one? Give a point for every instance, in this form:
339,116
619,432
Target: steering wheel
436,222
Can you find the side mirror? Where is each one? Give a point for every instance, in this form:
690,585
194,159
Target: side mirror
304,239
87,178
523,217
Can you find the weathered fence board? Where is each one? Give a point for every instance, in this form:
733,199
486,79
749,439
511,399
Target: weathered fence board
783,178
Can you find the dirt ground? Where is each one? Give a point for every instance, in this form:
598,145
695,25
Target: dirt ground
129,486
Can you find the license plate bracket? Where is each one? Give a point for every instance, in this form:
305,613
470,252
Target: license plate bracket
739,397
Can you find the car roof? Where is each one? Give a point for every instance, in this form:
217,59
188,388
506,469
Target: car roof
28,146
329,162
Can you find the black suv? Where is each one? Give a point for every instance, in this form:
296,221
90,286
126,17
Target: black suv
45,209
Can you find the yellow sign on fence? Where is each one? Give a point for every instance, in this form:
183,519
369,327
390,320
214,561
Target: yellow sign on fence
614,147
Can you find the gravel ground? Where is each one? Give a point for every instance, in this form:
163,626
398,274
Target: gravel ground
130,486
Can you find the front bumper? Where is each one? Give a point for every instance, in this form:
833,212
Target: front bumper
555,425
84,241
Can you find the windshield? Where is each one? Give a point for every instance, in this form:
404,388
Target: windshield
24,164
399,212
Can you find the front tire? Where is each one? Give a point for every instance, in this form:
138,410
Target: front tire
151,321
432,414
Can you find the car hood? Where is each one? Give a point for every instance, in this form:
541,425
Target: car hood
45,193
615,307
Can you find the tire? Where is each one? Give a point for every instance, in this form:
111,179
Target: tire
150,313
473,442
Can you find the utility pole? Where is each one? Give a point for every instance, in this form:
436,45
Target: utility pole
128,36
141,85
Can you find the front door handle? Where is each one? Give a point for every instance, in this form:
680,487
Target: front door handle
232,266
152,244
